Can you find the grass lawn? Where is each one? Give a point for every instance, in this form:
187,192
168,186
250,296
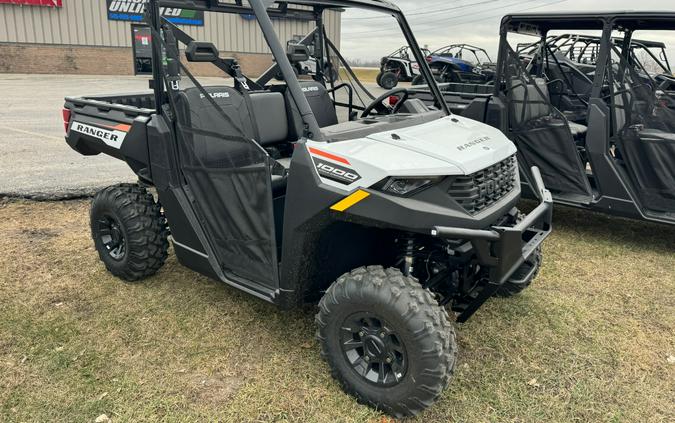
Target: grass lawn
593,340
364,74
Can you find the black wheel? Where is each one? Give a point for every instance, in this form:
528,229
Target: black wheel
523,276
388,80
129,231
331,74
419,80
387,340
378,77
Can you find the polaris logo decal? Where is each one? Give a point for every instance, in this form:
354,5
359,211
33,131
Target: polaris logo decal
473,143
216,95
337,173
111,137
310,89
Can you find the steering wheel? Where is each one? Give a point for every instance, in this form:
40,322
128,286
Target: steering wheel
381,108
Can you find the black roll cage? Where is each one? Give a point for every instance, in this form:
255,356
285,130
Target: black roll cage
540,24
565,44
473,49
285,10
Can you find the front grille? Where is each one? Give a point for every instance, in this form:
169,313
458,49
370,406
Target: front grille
480,190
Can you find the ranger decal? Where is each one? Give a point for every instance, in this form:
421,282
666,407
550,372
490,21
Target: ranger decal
113,137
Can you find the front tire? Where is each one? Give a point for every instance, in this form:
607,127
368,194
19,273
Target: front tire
387,340
388,80
129,231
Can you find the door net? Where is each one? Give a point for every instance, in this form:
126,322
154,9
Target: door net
643,124
226,171
541,132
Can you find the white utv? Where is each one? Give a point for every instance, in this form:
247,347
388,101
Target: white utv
396,220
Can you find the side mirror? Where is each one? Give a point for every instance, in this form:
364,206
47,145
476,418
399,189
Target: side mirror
199,51
297,53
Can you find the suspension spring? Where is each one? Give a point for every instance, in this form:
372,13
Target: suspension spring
408,259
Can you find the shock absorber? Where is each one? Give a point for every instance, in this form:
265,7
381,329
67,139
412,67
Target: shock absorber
408,259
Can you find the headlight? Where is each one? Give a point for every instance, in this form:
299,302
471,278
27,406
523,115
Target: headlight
407,186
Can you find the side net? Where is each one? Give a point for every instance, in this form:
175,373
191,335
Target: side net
227,172
643,123
541,133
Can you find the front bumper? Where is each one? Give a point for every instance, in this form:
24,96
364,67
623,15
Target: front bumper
504,249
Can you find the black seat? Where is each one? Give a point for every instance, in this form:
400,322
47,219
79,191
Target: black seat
269,110
578,130
197,112
532,102
319,101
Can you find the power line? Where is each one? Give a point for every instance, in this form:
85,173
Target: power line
450,20
501,7
427,12
499,15
444,20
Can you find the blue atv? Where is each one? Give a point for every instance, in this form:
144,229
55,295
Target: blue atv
460,63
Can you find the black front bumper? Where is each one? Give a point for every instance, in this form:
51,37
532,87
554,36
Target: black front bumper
504,249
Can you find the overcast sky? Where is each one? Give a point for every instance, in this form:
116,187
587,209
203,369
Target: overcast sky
437,23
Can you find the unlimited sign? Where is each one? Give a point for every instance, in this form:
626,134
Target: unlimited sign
132,10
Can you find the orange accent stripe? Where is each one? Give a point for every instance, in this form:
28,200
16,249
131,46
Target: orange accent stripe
121,127
329,156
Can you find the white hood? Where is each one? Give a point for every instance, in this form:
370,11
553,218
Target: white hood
448,146
464,143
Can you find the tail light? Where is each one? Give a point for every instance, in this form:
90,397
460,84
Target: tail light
429,59
66,119
393,100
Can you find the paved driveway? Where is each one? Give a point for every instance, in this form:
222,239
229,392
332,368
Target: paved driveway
34,158
35,161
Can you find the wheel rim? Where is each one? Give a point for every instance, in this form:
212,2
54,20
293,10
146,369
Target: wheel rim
373,349
111,236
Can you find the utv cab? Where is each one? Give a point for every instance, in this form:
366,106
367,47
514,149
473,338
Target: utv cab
390,213
577,54
462,63
596,121
399,66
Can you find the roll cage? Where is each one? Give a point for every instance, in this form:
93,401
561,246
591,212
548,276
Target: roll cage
457,51
620,154
404,53
584,49
263,10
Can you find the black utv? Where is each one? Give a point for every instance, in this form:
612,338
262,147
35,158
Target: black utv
377,214
599,127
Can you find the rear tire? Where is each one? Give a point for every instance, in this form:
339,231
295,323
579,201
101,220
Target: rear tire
407,349
129,231
388,80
